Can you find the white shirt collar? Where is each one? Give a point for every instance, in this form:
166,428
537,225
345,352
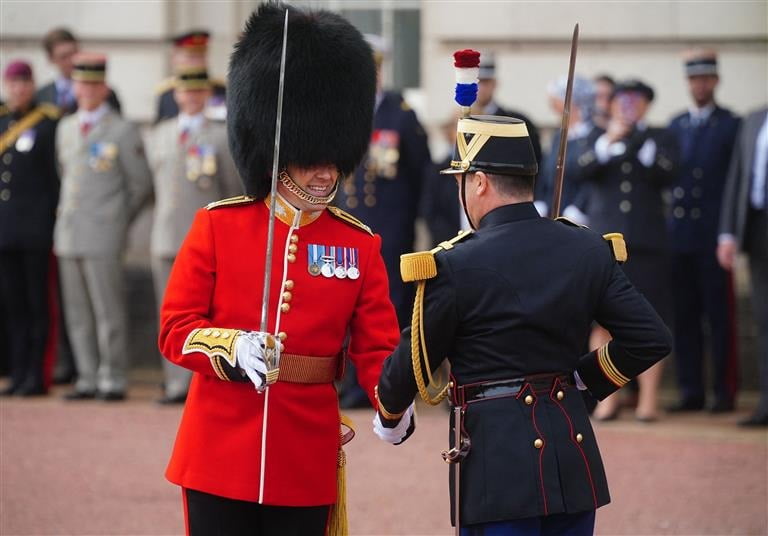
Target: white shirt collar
191,123
703,113
92,117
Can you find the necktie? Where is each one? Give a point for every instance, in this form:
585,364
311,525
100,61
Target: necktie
85,128
183,136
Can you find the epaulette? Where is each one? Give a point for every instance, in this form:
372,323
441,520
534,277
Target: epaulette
51,111
615,240
618,246
349,218
231,202
421,265
165,85
404,106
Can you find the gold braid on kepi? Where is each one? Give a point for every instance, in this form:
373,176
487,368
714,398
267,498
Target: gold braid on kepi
420,267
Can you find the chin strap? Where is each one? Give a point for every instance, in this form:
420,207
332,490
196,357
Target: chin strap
463,190
296,190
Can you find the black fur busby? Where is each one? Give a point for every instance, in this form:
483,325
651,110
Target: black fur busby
330,86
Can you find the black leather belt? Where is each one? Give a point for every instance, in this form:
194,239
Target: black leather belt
503,388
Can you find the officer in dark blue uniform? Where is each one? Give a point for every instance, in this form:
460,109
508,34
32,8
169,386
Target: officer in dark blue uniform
702,289
189,51
512,319
29,186
384,191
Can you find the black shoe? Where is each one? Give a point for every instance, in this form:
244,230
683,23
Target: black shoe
64,378
685,405
755,420
721,406
80,395
111,396
166,400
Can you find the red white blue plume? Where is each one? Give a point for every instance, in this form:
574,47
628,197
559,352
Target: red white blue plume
467,67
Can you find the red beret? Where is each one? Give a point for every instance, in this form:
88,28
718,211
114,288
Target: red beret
18,69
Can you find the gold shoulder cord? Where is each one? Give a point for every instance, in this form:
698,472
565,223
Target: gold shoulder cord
419,267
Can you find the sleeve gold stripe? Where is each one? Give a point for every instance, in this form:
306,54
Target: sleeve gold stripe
609,369
216,364
384,413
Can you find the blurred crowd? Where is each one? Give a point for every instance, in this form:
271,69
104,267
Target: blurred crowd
687,197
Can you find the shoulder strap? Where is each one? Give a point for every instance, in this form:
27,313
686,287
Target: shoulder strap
231,202
421,265
349,219
9,137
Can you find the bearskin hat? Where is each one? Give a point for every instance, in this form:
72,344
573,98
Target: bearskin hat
329,94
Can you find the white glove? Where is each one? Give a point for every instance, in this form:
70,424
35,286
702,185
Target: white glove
399,432
251,351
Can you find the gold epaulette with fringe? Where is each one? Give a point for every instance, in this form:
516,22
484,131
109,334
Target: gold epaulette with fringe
350,219
421,265
618,246
165,85
51,111
231,202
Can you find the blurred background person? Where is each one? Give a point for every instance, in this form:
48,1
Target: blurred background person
604,85
744,225
105,181
60,46
384,192
633,164
190,49
29,188
579,154
486,102
191,167
702,290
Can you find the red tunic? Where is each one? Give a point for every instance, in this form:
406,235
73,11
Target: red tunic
280,447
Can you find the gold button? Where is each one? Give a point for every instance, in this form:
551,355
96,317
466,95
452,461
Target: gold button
560,395
6,176
287,296
679,212
7,158
292,248
529,400
216,334
370,201
626,168
538,443
225,335
5,194
285,307
282,335
288,284
625,186
369,188
351,202
207,332
579,438
625,206
349,188
678,192
291,257
294,238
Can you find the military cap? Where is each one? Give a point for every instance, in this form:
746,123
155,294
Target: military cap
192,40
18,70
330,87
493,144
700,62
487,67
89,67
192,78
633,86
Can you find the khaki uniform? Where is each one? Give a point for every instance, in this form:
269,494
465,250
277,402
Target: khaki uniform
105,181
188,174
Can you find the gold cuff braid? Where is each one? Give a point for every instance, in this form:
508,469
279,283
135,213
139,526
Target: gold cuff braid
384,412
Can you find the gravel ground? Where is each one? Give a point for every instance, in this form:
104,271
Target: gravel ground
92,468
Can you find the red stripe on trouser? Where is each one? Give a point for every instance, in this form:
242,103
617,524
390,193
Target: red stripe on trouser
186,511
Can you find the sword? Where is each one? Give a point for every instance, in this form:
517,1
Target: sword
270,354
560,169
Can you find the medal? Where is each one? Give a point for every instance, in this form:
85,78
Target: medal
26,141
314,268
341,263
209,160
328,260
352,271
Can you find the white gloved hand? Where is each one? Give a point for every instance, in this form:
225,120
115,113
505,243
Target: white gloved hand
251,350
399,432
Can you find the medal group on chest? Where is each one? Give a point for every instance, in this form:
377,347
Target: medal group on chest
333,261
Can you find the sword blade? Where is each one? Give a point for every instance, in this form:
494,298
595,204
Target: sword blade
560,168
457,470
275,165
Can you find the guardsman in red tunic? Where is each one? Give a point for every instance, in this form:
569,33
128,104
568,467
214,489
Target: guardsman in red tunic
254,455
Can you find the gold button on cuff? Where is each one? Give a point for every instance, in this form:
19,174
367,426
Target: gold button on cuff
538,443
560,395
285,307
282,335
294,239
287,296
207,332
225,335
292,248
288,284
529,400
291,257
579,438
216,334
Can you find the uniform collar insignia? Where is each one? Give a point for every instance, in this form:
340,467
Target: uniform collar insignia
290,215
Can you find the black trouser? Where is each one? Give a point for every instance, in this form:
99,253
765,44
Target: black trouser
211,515
24,299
